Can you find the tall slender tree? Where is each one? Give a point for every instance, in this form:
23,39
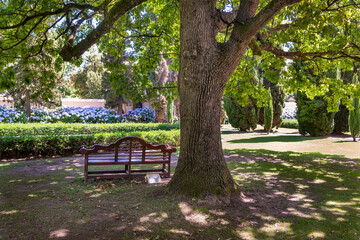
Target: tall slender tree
354,115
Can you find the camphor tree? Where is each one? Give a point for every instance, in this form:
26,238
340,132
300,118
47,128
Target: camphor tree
214,36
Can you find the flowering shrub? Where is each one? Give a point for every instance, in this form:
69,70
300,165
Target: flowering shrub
10,115
139,115
289,113
75,115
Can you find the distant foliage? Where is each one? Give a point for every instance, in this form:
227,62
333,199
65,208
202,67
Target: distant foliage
341,120
242,118
313,117
269,113
75,115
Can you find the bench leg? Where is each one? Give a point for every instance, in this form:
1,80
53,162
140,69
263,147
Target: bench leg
169,169
86,169
129,170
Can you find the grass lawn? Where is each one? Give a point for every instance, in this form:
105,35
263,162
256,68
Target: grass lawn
286,195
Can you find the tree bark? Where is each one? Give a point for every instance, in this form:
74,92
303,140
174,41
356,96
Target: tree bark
27,103
201,168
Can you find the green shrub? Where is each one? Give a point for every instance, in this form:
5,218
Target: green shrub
313,117
39,129
268,113
290,123
44,146
243,118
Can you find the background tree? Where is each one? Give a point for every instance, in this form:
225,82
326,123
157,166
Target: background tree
88,81
34,82
341,120
313,116
243,118
213,43
354,115
278,98
268,113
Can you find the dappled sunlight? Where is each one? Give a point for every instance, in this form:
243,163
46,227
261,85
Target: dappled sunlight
273,229
301,186
299,197
141,229
5,164
317,181
315,235
339,204
193,216
179,231
279,200
9,212
15,180
154,217
246,234
35,181
298,213
217,212
266,217
70,177
61,233
335,211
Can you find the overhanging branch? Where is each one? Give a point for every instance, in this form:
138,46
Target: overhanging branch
65,9
335,54
119,9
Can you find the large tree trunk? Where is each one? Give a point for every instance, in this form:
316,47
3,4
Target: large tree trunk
201,168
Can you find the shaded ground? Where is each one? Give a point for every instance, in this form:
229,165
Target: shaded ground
290,140
285,196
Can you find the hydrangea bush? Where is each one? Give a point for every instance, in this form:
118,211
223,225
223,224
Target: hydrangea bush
75,115
289,113
10,115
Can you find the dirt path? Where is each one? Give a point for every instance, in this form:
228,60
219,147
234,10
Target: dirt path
290,140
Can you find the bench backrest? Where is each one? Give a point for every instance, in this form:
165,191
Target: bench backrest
126,149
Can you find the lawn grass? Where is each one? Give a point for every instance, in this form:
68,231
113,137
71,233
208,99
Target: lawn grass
285,195
267,139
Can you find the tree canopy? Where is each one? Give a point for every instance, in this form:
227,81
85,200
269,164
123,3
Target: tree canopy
324,33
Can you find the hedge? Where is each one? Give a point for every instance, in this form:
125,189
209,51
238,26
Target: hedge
289,123
54,129
45,146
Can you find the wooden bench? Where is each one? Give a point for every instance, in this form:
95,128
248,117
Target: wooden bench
126,151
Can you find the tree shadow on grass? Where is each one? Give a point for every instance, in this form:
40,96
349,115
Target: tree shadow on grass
279,138
284,196
228,132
